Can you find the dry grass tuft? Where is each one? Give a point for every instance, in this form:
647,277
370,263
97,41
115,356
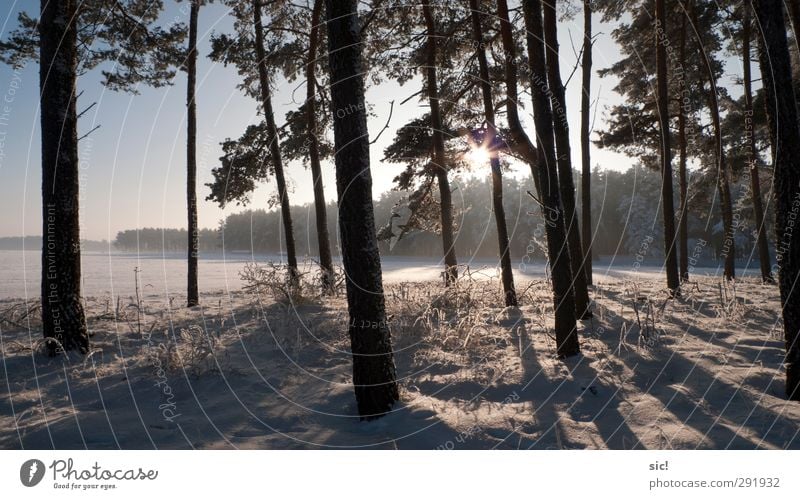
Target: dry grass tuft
192,350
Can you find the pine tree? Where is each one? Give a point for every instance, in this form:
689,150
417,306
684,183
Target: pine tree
634,126
520,142
670,260
370,338
192,293
404,38
438,160
63,317
274,141
755,181
491,140
314,146
683,181
586,167
784,133
290,42
563,299
296,39
722,173
72,38
564,161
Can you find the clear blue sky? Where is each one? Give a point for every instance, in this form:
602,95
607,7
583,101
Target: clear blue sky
133,167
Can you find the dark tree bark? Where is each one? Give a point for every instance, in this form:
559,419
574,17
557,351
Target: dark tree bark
63,318
564,161
370,339
794,14
497,175
323,238
785,136
670,261
439,163
586,166
683,222
755,181
192,294
274,141
563,300
520,140
723,176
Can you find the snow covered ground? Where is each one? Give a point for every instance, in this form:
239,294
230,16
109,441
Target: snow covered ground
164,274
253,371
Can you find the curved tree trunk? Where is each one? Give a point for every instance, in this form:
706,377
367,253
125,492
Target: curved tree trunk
755,181
370,339
497,175
785,136
586,166
438,159
521,142
274,142
192,294
670,261
683,221
320,212
564,161
563,300
63,318
723,176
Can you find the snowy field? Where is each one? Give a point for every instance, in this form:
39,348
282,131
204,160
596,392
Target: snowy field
164,275
260,371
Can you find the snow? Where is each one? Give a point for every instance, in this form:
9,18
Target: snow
247,371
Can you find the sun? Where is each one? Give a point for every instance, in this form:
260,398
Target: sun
478,156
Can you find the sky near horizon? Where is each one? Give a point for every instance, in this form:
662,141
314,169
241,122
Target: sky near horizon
133,166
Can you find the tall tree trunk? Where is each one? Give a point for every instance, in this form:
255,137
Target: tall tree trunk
785,136
755,181
274,141
521,142
683,222
370,339
563,299
63,319
564,161
323,238
670,261
723,176
586,166
497,174
192,294
438,159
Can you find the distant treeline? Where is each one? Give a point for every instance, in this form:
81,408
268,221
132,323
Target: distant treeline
35,243
625,207
164,240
